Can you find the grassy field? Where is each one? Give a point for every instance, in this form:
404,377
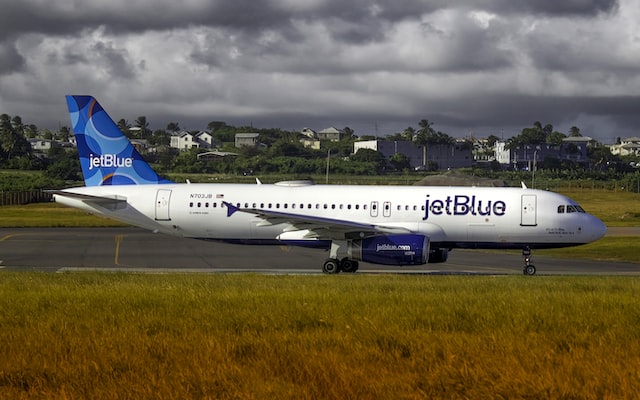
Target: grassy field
245,336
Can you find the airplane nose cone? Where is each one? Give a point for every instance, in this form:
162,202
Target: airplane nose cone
596,228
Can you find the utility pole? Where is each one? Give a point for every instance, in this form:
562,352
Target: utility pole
327,175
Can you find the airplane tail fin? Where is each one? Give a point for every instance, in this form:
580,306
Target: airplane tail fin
107,157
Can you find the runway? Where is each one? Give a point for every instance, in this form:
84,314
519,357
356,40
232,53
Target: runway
137,250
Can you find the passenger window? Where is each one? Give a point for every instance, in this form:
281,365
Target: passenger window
206,205
199,205
560,209
191,204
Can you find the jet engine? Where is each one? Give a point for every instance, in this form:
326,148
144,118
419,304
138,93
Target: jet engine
399,249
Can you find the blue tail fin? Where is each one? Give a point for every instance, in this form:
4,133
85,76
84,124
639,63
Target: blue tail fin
106,155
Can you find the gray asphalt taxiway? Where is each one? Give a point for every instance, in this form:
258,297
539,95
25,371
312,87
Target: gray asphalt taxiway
133,249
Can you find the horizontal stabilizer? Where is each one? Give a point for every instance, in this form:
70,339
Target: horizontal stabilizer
114,202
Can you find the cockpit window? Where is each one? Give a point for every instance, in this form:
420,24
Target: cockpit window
570,208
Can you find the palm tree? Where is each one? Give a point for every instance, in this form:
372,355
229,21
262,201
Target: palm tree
173,127
574,131
424,136
143,125
124,126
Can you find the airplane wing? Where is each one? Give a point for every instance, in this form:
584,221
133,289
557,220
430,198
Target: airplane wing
316,227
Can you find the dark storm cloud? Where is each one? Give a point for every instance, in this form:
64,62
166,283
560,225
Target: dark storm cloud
10,59
467,65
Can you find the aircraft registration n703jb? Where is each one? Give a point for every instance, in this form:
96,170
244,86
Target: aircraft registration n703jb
392,225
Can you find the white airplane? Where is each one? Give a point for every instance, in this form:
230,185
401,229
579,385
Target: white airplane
392,225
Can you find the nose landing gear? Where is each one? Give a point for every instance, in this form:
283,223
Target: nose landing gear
529,269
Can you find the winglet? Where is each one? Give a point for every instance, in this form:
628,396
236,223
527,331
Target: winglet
107,157
231,209
523,185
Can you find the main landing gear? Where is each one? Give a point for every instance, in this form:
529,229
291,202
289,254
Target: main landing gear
528,269
333,265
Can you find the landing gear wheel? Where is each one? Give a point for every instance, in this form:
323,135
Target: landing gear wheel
347,265
528,269
331,266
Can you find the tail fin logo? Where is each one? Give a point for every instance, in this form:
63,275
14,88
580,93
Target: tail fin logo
106,155
109,161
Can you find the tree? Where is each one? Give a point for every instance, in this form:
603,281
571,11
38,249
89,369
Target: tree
574,131
143,125
215,125
491,140
400,162
408,133
530,136
555,138
173,127
12,142
124,126
348,133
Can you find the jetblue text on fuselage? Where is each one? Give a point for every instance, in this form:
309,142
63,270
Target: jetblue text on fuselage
463,205
109,161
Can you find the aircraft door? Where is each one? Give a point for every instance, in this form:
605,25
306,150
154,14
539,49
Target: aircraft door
528,216
162,204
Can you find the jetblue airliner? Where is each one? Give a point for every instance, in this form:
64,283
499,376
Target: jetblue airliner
391,225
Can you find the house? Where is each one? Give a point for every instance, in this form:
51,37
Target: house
184,140
309,143
246,139
525,157
574,148
438,156
388,148
42,145
331,134
528,156
627,146
308,132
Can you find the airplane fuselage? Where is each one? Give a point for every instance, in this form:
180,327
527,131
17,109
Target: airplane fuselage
450,216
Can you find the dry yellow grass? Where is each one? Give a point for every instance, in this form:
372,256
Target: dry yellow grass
332,337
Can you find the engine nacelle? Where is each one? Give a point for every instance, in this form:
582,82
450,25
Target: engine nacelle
438,255
401,249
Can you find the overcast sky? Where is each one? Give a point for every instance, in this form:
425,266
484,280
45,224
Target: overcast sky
471,67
